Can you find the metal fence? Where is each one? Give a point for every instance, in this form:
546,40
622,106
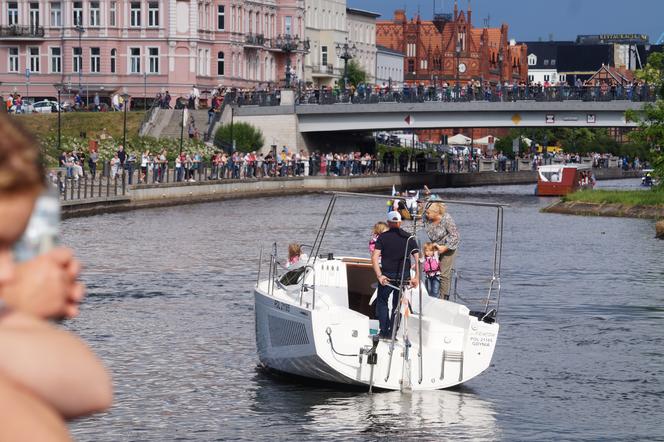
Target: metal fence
637,93
109,185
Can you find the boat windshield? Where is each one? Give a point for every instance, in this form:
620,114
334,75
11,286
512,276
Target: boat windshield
554,176
293,277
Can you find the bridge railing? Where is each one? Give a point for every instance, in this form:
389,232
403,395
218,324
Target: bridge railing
638,93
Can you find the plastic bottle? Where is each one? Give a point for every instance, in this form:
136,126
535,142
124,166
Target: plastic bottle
43,229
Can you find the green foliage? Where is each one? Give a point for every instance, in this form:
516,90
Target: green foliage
651,119
632,197
247,137
356,74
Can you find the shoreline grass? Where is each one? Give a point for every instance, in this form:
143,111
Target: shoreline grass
625,197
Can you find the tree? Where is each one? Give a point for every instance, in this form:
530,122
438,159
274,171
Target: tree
247,137
356,74
651,118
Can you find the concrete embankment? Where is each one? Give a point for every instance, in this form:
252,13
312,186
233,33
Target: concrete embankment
159,195
615,210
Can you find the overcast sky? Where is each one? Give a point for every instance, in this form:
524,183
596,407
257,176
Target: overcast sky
534,19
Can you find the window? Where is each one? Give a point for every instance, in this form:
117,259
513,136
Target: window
546,62
323,55
113,15
563,78
34,15
220,63
220,19
424,64
411,66
34,59
56,61
94,14
532,60
95,60
410,50
135,19
153,60
77,59
288,24
153,14
12,13
553,62
546,77
78,14
135,60
531,78
56,14
114,53
13,59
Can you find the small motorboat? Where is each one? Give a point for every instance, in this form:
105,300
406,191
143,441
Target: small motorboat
561,179
316,321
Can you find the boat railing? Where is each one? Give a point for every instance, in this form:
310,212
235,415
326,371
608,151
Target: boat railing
276,270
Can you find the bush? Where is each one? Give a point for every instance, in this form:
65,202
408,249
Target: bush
247,137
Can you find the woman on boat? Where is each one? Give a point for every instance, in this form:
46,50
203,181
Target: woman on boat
443,232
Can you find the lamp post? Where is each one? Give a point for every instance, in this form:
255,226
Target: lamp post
458,67
289,44
346,52
80,31
58,87
125,102
500,66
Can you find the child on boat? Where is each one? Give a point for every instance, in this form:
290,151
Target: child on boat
295,256
378,228
431,264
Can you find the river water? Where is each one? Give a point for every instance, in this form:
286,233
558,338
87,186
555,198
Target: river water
580,354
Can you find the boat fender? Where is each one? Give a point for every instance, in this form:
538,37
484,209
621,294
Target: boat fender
372,358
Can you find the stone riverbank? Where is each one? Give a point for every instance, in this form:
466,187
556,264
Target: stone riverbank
159,195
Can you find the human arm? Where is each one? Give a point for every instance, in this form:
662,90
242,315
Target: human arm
54,365
27,418
451,240
375,263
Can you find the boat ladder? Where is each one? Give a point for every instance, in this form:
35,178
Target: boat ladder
452,356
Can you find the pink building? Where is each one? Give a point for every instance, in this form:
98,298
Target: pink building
146,46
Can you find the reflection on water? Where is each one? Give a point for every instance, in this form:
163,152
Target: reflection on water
170,310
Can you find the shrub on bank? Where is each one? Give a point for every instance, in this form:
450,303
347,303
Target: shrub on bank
247,137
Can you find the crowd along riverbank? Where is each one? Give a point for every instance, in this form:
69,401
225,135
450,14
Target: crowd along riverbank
170,194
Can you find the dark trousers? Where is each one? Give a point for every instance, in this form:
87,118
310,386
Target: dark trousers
385,318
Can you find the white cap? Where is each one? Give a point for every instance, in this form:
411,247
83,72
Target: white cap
393,217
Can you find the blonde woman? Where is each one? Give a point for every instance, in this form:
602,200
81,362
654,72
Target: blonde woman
443,232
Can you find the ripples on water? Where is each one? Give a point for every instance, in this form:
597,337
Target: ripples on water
170,309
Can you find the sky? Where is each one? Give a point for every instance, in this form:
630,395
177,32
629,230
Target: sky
532,20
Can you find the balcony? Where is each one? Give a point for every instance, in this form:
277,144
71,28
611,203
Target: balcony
21,32
255,41
324,70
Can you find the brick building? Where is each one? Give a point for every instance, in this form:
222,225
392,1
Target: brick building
448,48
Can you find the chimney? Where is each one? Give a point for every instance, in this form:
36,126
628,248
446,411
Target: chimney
400,16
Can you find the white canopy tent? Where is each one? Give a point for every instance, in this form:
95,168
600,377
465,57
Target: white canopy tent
485,140
459,140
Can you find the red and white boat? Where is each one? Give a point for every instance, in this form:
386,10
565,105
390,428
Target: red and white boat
561,179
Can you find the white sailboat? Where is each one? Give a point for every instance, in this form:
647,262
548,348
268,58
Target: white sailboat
315,321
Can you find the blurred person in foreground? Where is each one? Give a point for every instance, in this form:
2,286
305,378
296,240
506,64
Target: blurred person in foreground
47,375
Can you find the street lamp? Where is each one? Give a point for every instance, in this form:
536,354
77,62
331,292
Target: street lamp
458,67
500,65
346,52
289,44
58,87
80,29
125,102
